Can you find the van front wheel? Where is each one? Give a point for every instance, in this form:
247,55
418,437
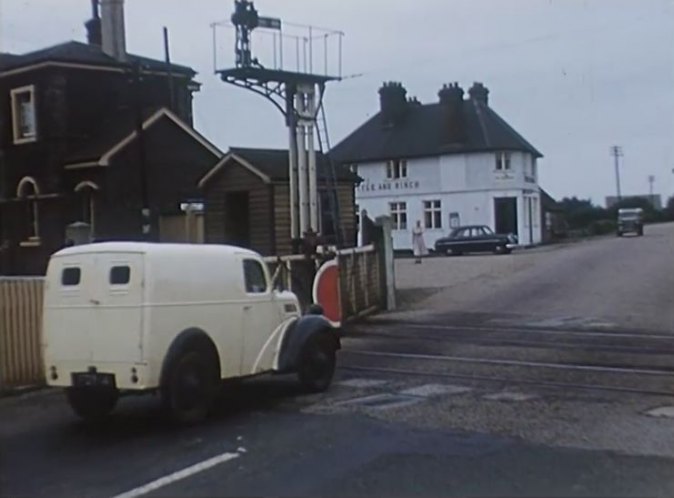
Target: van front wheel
191,388
90,403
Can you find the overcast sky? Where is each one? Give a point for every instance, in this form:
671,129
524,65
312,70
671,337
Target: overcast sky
572,76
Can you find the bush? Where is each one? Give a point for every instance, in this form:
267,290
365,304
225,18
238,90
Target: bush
602,227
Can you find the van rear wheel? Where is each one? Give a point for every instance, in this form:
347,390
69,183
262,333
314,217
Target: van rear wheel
317,364
191,387
90,403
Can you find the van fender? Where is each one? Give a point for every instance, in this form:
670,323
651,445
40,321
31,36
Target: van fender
189,339
296,336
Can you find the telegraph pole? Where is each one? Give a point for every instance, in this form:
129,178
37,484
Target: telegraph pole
651,180
617,153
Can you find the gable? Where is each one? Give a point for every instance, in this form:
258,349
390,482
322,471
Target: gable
120,132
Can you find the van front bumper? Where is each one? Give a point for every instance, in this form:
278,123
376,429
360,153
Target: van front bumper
123,376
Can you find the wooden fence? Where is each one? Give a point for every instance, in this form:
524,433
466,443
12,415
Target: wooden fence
20,332
362,288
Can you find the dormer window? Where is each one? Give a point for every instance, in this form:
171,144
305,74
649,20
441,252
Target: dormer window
24,123
503,161
396,168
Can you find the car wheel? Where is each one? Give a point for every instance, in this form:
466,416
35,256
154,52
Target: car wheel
191,387
317,363
453,252
640,233
501,249
619,234
92,404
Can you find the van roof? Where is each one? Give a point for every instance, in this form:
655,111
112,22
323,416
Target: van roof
154,248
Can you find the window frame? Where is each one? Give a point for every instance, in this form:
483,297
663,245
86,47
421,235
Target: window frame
33,211
504,161
396,169
261,266
432,208
18,137
398,211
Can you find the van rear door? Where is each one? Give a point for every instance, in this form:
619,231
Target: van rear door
68,312
118,308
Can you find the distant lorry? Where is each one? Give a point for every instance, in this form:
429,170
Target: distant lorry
174,319
630,220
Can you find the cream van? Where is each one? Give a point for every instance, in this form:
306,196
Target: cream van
125,317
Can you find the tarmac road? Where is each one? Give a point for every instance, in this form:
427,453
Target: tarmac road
545,372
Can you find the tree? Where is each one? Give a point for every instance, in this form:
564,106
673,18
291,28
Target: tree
669,209
581,213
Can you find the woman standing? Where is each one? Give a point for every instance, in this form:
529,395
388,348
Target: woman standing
418,244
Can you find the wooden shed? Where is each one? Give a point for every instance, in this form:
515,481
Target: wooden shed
247,201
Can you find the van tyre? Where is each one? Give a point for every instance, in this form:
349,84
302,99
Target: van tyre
317,363
92,404
191,387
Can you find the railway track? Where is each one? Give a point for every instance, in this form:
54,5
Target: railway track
589,360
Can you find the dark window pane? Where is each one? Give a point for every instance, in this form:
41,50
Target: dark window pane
438,219
120,275
256,282
71,277
428,219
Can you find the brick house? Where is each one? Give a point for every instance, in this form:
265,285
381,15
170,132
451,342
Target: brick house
90,133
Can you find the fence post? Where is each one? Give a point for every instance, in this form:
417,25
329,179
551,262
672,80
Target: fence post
385,252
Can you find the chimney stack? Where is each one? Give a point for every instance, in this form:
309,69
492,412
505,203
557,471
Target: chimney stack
93,26
451,100
479,93
114,40
393,103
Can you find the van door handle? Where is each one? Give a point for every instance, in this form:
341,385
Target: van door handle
94,301
248,307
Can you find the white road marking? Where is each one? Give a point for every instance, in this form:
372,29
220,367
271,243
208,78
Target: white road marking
663,411
515,363
362,383
508,396
428,390
179,475
380,401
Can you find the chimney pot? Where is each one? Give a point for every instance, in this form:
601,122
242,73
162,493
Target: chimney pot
479,93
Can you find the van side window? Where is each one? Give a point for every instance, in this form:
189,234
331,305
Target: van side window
70,277
120,275
256,281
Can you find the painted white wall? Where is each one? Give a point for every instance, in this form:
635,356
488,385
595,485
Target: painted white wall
466,184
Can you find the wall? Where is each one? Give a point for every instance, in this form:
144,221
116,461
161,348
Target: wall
235,178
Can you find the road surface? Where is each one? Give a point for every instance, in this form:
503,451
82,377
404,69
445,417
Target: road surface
546,372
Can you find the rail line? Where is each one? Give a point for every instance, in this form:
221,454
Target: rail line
515,363
501,380
515,342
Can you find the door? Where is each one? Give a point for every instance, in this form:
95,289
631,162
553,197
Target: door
505,215
237,219
260,317
487,241
116,299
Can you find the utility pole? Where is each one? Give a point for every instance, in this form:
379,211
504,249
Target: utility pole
145,213
651,180
617,153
